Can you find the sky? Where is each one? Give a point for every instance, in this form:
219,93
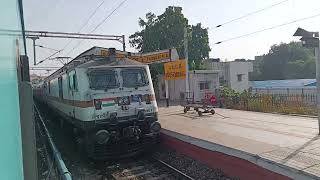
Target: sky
70,15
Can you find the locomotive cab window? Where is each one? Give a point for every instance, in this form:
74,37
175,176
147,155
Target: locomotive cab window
103,79
134,77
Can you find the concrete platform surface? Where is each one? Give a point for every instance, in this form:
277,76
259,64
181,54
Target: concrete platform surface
291,141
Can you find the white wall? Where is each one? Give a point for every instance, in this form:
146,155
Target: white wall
196,79
228,72
177,87
239,68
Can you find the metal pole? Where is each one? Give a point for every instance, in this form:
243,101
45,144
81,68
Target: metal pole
34,51
123,43
317,53
167,92
186,57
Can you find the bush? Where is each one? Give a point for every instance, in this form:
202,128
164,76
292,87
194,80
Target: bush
266,102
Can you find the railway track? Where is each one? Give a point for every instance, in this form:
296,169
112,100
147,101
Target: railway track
142,167
162,163
57,168
150,168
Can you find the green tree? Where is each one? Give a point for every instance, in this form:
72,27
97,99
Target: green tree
198,46
167,31
285,61
256,74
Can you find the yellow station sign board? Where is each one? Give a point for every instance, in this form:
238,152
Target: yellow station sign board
175,70
146,58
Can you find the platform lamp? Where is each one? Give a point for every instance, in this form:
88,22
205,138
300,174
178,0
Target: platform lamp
311,40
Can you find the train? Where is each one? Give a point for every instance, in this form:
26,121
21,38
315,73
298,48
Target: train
109,101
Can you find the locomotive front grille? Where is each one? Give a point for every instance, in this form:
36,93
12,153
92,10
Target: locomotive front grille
130,132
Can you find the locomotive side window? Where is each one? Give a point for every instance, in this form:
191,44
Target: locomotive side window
49,87
75,82
134,77
60,87
103,79
71,85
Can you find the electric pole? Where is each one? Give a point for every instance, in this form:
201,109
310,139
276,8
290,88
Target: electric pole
186,57
34,49
311,40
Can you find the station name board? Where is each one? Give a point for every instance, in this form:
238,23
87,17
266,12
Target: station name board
175,70
147,58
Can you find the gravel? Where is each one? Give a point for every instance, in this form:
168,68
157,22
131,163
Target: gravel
81,167
191,167
44,163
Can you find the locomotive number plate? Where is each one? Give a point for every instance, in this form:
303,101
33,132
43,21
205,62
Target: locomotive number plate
102,116
124,108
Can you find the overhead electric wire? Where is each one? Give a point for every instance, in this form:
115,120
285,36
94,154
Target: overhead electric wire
273,27
49,57
103,21
86,22
109,15
47,67
44,47
252,13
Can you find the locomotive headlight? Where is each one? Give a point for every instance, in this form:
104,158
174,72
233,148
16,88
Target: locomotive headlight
113,116
155,127
102,136
147,98
97,104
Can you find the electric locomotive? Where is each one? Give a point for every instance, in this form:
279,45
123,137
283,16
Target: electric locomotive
108,100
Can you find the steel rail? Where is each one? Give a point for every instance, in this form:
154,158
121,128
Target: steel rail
173,168
62,169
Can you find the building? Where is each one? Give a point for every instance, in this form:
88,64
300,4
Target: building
35,79
234,74
200,82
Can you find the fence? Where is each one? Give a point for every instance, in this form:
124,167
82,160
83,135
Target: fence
55,164
286,91
291,104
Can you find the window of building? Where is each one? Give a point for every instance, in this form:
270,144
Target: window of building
239,77
204,85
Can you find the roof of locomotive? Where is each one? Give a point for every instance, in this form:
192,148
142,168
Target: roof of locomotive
107,62
90,58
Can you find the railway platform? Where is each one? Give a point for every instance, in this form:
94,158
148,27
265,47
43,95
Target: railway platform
249,145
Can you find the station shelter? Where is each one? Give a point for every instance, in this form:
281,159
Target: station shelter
201,83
